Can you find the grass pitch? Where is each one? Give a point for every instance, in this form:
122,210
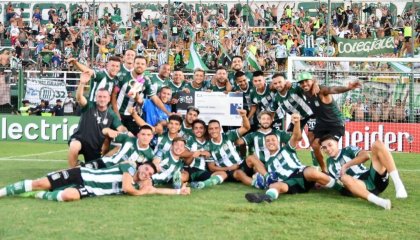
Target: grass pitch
220,212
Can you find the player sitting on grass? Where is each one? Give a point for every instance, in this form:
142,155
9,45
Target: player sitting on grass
225,162
76,183
287,173
347,165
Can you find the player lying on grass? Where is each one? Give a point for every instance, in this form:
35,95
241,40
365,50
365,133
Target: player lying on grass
286,173
347,165
76,183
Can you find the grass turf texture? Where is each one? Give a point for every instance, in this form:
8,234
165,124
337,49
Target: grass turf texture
220,212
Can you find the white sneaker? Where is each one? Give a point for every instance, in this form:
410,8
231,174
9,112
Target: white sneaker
387,204
401,193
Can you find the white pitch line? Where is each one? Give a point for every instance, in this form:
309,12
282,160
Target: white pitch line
32,160
34,154
408,170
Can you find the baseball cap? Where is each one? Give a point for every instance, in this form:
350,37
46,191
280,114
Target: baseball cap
25,101
304,76
58,100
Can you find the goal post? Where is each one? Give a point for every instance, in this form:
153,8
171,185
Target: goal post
386,107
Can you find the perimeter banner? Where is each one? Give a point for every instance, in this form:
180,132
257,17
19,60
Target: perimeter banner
397,137
364,47
37,128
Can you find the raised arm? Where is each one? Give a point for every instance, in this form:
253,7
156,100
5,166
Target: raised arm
246,126
339,89
80,66
84,79
297,133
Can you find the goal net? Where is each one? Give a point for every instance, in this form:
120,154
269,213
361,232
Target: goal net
386,107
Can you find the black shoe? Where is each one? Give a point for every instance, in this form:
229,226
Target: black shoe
257,197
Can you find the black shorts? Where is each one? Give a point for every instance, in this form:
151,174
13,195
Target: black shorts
311,122
321,130
374,181
88,152
297,182
197,174
244,167
281,61
69,178
130,124
66,178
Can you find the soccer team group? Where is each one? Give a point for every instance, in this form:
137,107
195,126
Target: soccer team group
154,147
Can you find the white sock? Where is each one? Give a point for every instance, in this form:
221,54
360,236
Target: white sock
385,203
3,192
331,183
220,178
59,196
273,193
399,186
28,185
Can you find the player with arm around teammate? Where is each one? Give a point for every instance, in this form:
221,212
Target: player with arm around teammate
287,173
347,165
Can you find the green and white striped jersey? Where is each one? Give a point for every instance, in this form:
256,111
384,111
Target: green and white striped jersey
224,153
129,151
164,143
284,162
185,131
124,102
169,165
123,72
246,95
262,100
106,181
193,144
293,101
346,155
100,79
157,83
256,142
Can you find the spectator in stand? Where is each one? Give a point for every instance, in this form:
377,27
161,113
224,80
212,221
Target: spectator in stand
69,104
58,109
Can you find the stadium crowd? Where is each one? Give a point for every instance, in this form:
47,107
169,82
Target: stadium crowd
272,35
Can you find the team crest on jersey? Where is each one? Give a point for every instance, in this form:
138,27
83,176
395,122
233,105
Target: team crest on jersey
225,147
140,159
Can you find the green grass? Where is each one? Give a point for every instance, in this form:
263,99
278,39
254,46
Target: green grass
220,212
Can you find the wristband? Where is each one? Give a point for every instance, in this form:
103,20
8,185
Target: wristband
178,191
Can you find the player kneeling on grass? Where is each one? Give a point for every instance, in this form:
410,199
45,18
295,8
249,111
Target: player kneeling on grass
76,183
286,173
347,165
